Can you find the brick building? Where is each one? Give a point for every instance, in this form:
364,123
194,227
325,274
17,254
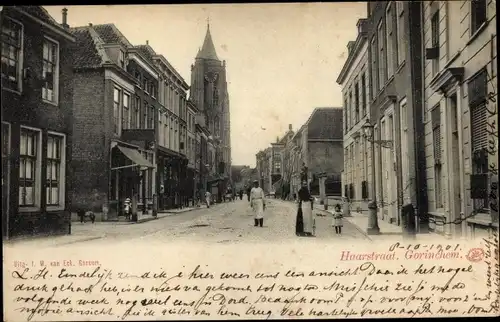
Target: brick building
110,161
460,77
37,108
354,77
395,94
322,146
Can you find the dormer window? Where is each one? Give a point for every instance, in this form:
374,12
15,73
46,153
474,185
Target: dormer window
121,59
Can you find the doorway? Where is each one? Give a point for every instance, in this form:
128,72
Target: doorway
392,175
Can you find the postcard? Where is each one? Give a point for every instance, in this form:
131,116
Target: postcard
250,161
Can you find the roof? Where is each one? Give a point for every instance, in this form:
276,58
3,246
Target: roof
40,13
354,52
89,51
208,49
147,52
325,123
85,54
175,73
111,35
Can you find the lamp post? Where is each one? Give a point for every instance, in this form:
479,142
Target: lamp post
372,228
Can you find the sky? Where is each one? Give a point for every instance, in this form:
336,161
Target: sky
282,59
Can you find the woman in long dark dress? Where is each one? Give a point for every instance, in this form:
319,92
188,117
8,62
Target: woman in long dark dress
303,196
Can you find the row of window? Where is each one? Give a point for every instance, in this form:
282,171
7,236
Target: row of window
12,61
478,17
356,158
356,108
388,46
146,84
131,115
30,166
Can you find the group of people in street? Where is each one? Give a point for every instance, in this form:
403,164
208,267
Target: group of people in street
305,224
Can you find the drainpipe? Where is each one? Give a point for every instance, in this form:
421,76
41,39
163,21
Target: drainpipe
420,175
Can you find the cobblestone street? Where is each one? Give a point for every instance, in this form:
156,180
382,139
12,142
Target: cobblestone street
230,222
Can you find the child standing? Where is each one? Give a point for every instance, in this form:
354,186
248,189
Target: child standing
337,219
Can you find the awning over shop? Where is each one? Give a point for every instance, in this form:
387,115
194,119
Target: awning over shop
134,156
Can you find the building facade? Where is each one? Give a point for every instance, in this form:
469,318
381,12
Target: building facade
354,78
276,166
202,158
209,93
395,94
287,157
192,169
114,123
263,161
461,115
322,146
174,189
141,130
296,161
37,112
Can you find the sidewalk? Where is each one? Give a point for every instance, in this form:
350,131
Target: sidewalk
387,231
88,231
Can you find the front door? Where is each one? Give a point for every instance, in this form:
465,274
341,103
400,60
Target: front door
391,164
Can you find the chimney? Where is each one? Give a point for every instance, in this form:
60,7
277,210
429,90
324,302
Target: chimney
289,127
90,24
147,42
277,139
65,18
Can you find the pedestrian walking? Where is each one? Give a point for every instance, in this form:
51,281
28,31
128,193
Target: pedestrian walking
258,204
248,192
337,219
304,223
208,198
241,194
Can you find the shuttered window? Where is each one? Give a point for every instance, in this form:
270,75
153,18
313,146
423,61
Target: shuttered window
436,133
438,175
477,94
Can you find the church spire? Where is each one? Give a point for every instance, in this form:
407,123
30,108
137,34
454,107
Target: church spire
208,48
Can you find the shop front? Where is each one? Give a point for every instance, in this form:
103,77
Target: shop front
131,178
172,174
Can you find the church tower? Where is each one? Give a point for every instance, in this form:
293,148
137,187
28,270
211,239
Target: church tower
209,93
